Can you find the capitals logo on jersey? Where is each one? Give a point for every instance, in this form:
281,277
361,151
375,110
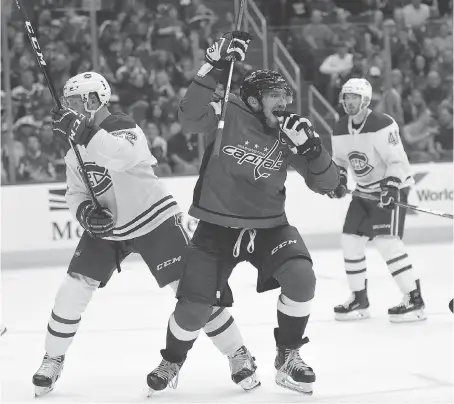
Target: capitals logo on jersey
99,178
360,163
261,161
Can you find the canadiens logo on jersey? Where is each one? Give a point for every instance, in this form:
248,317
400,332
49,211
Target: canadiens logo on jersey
261,159
360,163
99,178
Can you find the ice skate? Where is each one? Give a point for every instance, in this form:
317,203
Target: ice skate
243,367
47,375
165,375
292,371
355,308
411,308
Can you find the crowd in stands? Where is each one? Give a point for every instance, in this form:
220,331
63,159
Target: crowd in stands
149,52
334,40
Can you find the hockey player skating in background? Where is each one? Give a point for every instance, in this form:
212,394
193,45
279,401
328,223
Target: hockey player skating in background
239,199
369,144
138,215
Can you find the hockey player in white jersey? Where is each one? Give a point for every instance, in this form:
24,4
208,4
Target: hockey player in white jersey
369,144
138,215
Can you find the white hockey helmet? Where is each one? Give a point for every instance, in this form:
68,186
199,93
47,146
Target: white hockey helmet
360,87
85,83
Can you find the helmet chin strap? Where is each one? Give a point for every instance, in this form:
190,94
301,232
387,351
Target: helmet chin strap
92,112
360,109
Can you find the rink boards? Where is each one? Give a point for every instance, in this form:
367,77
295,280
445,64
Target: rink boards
36,217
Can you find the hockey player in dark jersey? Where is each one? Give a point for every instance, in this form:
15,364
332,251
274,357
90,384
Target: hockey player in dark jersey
138,215
239,199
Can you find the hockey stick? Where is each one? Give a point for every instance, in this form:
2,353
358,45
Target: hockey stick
220,128
400,204
43,66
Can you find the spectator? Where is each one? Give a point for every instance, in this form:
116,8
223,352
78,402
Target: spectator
391,99
416,13
35,166
443,40
420,72
429,51
314,38
337,67
184,153
435,92
317,34
414,106
28,90
445,135
419,139
445,66
168,28
53,147
158,148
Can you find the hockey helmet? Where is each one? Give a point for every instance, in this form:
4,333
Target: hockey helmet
360,87
257,81
85,83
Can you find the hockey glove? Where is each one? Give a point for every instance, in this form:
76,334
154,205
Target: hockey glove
341,189
389,192
67,122
97,222
299,134
232,46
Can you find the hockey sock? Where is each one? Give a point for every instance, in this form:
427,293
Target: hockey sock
221,328
353,247
184,328
392,250
356,273
292,318
71,301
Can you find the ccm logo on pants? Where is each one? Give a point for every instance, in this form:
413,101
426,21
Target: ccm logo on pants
283,244
168,262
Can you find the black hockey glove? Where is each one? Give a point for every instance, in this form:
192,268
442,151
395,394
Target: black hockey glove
67,122
232,46
299,134
389,192
99,223
341,189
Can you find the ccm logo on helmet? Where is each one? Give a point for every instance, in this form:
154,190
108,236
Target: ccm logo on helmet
168,262
360,163
283,244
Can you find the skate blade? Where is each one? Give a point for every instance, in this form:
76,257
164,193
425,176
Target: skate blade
355,315
289,384
42,391
250,383
411,316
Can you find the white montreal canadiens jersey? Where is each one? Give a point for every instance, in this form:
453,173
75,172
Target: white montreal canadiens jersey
373,152
120,169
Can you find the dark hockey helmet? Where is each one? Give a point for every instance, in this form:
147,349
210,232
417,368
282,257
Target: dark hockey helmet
257,81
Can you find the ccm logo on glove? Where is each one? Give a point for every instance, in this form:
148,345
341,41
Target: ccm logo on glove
299,134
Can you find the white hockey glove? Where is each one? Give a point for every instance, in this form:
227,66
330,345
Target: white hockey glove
232,46
299,134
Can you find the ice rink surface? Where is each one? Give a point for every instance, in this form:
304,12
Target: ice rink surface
123,329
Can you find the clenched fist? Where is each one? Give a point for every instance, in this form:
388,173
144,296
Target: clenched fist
67,122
